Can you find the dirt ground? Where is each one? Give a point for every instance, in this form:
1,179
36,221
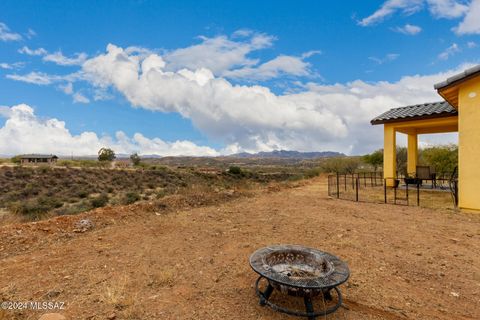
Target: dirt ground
192,263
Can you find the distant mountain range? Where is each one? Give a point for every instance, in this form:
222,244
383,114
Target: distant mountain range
279,154
288,154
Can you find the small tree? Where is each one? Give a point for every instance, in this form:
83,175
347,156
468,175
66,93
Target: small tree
135,158
333,165
443,158
16,160
351,164
375,159
341,165
106,154
235,170
402,160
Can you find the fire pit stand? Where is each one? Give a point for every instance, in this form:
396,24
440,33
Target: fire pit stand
302,272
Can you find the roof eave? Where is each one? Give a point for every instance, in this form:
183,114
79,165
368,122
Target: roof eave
408,119
448,89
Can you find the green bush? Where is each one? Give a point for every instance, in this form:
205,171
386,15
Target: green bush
15,160
235,170
35,208
99,201
130,197
75,208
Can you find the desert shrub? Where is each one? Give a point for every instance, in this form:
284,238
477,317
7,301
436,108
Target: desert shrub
75,208
443,158
82,193
130,197
44,170
79,163
15,160
35,208
311,173
341,165
99,201
23,173
296,177
31,189
235,170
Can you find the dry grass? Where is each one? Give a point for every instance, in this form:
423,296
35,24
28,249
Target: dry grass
435,199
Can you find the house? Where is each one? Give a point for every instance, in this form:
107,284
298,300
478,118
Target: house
460,112
38,159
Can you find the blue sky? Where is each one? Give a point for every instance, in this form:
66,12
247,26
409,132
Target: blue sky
262,75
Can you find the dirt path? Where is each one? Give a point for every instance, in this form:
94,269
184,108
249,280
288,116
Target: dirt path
406,263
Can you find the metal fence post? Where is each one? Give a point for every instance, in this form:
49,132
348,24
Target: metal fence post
338,186
418,194
394,195
406,190
329,181
357,184
385,189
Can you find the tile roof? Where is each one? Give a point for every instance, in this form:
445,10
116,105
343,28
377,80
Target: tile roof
458,77
416,112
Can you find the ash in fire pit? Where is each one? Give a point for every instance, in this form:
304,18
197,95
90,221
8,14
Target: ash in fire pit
299,271
298,264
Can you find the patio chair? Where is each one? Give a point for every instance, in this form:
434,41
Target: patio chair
426,173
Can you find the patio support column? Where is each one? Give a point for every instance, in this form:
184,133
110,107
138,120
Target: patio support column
412,154
389,155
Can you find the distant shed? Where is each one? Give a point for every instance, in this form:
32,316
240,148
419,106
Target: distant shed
38,159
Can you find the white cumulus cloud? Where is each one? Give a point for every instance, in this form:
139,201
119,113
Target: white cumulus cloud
252,118
60,59
7,35
447,9
32,52
448,52
471,22
25,132
57,57
408,29
281,65
80,98
390,7
219,54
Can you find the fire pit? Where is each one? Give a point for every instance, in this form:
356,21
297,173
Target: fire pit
299,271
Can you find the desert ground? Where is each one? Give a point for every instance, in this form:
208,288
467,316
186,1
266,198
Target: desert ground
188,258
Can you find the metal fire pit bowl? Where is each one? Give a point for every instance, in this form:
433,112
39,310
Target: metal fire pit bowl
299,271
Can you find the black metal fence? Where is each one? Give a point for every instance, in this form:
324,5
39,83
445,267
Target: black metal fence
372,187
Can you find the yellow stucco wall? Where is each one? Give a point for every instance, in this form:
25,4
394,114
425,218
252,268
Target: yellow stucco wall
469,144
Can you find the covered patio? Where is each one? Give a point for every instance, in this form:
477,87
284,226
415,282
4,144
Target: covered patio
427,118
460,112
